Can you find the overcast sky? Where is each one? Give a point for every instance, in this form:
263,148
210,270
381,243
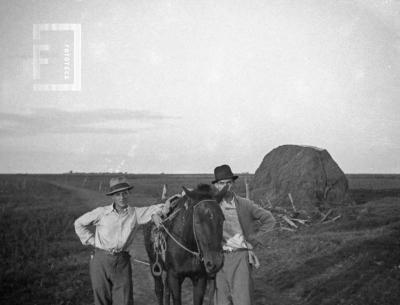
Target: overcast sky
184,86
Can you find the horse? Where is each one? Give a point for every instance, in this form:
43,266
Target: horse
193,245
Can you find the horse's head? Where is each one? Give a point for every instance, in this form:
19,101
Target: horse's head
207,225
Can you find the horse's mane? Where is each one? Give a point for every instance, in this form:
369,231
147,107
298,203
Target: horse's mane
202,191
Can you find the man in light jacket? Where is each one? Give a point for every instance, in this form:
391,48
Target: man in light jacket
115,225
234,284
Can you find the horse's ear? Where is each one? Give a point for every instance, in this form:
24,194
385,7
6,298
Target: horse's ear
221,194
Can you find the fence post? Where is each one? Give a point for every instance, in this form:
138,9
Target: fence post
164,192
247,188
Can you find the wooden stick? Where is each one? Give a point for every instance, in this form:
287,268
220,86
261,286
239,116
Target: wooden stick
326,191
285,218
302,221
326,215
287,229
333,219
291,201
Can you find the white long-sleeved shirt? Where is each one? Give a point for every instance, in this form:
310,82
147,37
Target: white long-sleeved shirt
113,231
232,232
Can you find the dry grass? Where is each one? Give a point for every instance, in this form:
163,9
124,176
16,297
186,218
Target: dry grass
41,260
353,261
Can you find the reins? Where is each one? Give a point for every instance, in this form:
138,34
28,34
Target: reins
198,253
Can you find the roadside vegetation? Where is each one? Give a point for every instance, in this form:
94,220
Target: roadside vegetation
353,261
41,260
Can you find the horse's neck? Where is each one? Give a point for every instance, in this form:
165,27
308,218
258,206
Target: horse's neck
182,227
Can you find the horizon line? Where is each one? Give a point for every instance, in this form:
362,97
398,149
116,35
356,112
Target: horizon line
166,173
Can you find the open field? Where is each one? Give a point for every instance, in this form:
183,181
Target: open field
355,260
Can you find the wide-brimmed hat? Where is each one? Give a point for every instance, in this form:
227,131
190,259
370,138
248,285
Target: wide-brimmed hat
223,172
118,184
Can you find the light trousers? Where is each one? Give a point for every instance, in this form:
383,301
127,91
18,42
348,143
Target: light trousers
234,284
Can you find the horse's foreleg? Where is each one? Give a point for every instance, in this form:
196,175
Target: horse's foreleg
167,294
175,284
199,289
159,289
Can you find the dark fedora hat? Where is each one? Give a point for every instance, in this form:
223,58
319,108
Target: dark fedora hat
118,184
223,172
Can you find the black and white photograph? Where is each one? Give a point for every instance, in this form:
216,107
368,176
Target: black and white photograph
216,152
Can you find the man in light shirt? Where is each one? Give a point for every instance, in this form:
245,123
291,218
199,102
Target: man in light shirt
115,226
234,284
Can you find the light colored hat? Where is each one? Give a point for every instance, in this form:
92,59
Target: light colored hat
118,184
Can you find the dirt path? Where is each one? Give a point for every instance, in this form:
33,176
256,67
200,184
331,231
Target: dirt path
90,198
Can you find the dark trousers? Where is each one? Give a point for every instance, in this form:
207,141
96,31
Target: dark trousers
111,277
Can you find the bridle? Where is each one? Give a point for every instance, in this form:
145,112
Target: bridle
198,254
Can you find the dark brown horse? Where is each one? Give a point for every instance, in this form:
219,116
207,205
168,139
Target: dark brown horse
193,245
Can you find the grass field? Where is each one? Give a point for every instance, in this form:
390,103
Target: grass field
41,261
355,260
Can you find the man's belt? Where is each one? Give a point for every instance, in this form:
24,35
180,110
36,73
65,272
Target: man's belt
112,252
234,250
253,260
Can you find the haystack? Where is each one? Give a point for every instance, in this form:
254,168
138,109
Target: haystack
309,174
